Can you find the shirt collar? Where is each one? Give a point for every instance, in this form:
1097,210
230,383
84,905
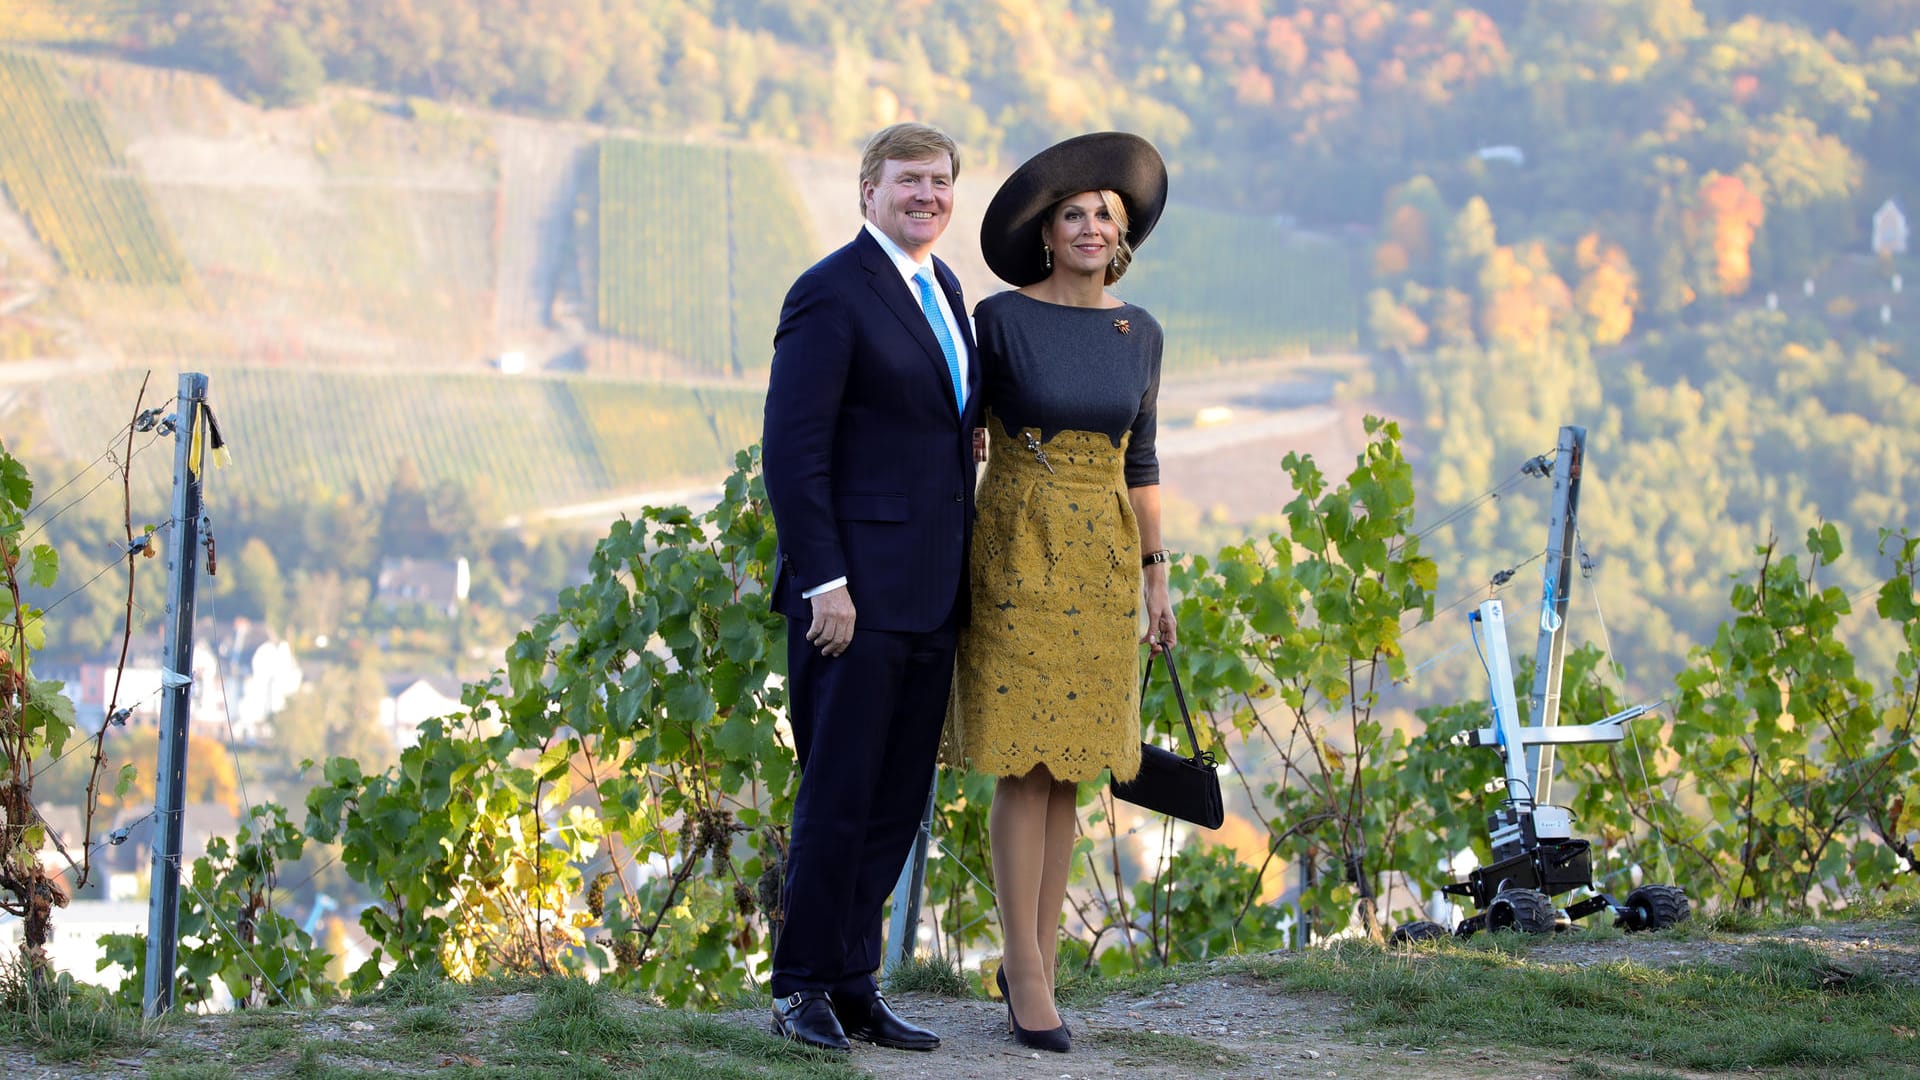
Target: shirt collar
901,260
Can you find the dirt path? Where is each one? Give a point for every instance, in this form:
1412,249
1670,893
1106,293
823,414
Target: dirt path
1253,1029
1228,1026
1257,1029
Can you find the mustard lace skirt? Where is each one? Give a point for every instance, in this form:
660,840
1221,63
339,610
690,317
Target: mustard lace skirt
1048,671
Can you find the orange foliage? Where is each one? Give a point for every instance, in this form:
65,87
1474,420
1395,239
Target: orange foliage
1389,261
1728,214
1520,297
1408,228
1250,842
1609,290
1285,46
1252,87
211,779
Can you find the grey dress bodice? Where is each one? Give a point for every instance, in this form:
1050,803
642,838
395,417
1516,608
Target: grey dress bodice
1058,368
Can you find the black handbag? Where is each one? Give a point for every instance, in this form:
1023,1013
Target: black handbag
1184,787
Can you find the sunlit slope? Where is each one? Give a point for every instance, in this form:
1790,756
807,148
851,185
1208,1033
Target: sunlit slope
1229,287
75,189
525,442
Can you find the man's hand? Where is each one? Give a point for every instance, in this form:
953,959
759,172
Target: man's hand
832,629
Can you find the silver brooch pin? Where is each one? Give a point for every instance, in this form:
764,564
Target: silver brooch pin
1040,455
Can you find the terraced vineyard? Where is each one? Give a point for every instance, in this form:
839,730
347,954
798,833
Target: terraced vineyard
1229,287
767,248
75,189
647,434
532,442
696,248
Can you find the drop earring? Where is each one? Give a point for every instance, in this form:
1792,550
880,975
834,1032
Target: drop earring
1049,257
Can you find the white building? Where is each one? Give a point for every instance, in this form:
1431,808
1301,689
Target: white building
1889,230
414,700
75,947
241,676
438,585
261,674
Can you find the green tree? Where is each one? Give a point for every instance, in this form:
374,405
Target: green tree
1470,240
336,714
257,585
292,74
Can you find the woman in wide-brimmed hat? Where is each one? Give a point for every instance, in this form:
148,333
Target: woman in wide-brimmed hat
1045,692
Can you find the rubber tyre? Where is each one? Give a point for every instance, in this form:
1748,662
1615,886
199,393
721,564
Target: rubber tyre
1418,931
1656,907
1528,911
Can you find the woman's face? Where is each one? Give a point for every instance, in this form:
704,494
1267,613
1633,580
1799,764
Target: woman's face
1082,234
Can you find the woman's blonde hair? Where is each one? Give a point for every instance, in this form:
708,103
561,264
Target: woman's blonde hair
1116,209
1122,251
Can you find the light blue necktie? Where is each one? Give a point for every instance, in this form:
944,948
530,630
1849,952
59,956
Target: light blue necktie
931,307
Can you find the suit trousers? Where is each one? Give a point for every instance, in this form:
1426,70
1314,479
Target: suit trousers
866,725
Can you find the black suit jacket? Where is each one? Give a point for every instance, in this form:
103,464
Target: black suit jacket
868,463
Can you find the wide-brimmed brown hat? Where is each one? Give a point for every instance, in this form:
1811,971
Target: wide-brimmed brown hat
1102,160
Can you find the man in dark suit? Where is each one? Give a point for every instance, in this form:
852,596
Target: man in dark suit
869,469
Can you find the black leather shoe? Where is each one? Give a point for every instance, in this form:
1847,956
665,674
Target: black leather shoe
807,1017
872,1020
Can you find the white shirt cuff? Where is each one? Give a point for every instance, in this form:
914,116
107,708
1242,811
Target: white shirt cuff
836,583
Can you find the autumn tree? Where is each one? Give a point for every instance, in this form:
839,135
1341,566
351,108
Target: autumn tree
1520,296
1412,226
1470,239
1723,224
1608,293
1394,327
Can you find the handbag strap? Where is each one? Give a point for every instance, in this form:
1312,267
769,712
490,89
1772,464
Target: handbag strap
1179,695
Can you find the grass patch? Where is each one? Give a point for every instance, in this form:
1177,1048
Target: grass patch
1734,922
1158,1048
409,989
1900,905
63,1020
578,1017
312,1065
428,1020
930,975
1780,1006
1084,988
262,1044
584,1031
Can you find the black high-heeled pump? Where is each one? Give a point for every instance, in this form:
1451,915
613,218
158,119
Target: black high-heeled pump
1055,1040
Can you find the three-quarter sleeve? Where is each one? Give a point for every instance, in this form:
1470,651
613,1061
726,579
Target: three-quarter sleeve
1143,460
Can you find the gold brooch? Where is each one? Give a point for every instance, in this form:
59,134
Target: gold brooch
1122,326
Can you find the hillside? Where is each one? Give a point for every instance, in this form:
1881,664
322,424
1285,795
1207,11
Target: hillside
406,240
1528,214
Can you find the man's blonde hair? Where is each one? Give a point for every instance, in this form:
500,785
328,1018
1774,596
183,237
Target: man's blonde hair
908,141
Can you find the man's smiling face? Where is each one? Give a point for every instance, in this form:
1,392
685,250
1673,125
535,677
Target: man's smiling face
912,202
